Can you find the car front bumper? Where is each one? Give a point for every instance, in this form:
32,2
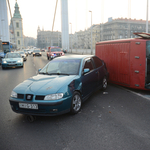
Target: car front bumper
45,108
7,65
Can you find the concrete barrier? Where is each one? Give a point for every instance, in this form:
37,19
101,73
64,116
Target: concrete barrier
82,51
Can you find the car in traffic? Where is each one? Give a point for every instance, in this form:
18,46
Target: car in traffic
54,52
60,87
26,52
1,57
64,50
37,52
12,60
29,52
42,50
23,55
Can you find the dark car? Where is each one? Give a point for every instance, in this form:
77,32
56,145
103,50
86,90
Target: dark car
64,50
42,50
37,52
60,87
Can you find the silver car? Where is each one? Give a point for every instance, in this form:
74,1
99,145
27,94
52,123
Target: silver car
23,55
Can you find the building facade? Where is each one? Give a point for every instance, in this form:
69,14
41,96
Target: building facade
48,38
16,29
120,28
29,42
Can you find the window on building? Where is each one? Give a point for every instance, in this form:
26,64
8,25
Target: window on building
17,33
17,24
19,42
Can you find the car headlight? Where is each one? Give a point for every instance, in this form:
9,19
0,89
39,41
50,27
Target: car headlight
40,52
13,94
53,96
33,53
19,61
4,61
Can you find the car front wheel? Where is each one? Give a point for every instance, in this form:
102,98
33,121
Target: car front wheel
76,103
104,86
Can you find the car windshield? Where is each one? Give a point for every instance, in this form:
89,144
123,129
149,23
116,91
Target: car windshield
13,55
55,50
62,67
36,50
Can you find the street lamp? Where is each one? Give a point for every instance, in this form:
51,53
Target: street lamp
71,37
147,18
91,34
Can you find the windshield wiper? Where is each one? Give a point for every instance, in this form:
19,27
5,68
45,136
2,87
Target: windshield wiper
43,73
58,74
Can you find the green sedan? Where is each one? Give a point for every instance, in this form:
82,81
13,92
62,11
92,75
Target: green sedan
12,59
60,87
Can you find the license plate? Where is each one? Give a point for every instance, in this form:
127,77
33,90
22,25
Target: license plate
28,106
11,64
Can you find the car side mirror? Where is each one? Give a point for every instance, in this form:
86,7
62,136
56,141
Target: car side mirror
86,70
39,70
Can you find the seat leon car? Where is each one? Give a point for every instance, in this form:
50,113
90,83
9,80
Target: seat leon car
12,59
60,87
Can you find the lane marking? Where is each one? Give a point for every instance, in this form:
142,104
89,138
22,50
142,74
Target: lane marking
138,94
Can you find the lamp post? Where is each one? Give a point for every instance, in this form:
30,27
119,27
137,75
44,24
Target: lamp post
91,34
147,18
71,37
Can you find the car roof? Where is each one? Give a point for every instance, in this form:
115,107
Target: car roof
74,57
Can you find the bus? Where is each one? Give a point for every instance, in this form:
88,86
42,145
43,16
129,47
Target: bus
127,61
4,48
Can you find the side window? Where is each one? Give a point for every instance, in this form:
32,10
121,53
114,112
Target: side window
88,64
98,62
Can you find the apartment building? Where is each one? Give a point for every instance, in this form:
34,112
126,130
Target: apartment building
120,28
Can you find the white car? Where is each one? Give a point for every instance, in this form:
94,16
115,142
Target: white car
22,53
29,52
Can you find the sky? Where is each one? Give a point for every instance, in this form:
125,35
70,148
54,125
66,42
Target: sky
41,13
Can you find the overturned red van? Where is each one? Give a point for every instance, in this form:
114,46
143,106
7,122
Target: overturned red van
127,61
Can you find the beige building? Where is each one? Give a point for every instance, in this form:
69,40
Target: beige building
48,38
16,29
29,42
120,28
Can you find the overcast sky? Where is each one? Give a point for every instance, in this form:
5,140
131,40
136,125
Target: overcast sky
41,12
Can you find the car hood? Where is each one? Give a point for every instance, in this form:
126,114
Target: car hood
44,84
56,52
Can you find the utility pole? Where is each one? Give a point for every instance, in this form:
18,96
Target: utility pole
71,37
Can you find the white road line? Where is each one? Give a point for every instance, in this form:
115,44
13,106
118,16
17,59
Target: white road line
148,98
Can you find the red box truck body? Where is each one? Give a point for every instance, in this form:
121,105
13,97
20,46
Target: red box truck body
127,61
